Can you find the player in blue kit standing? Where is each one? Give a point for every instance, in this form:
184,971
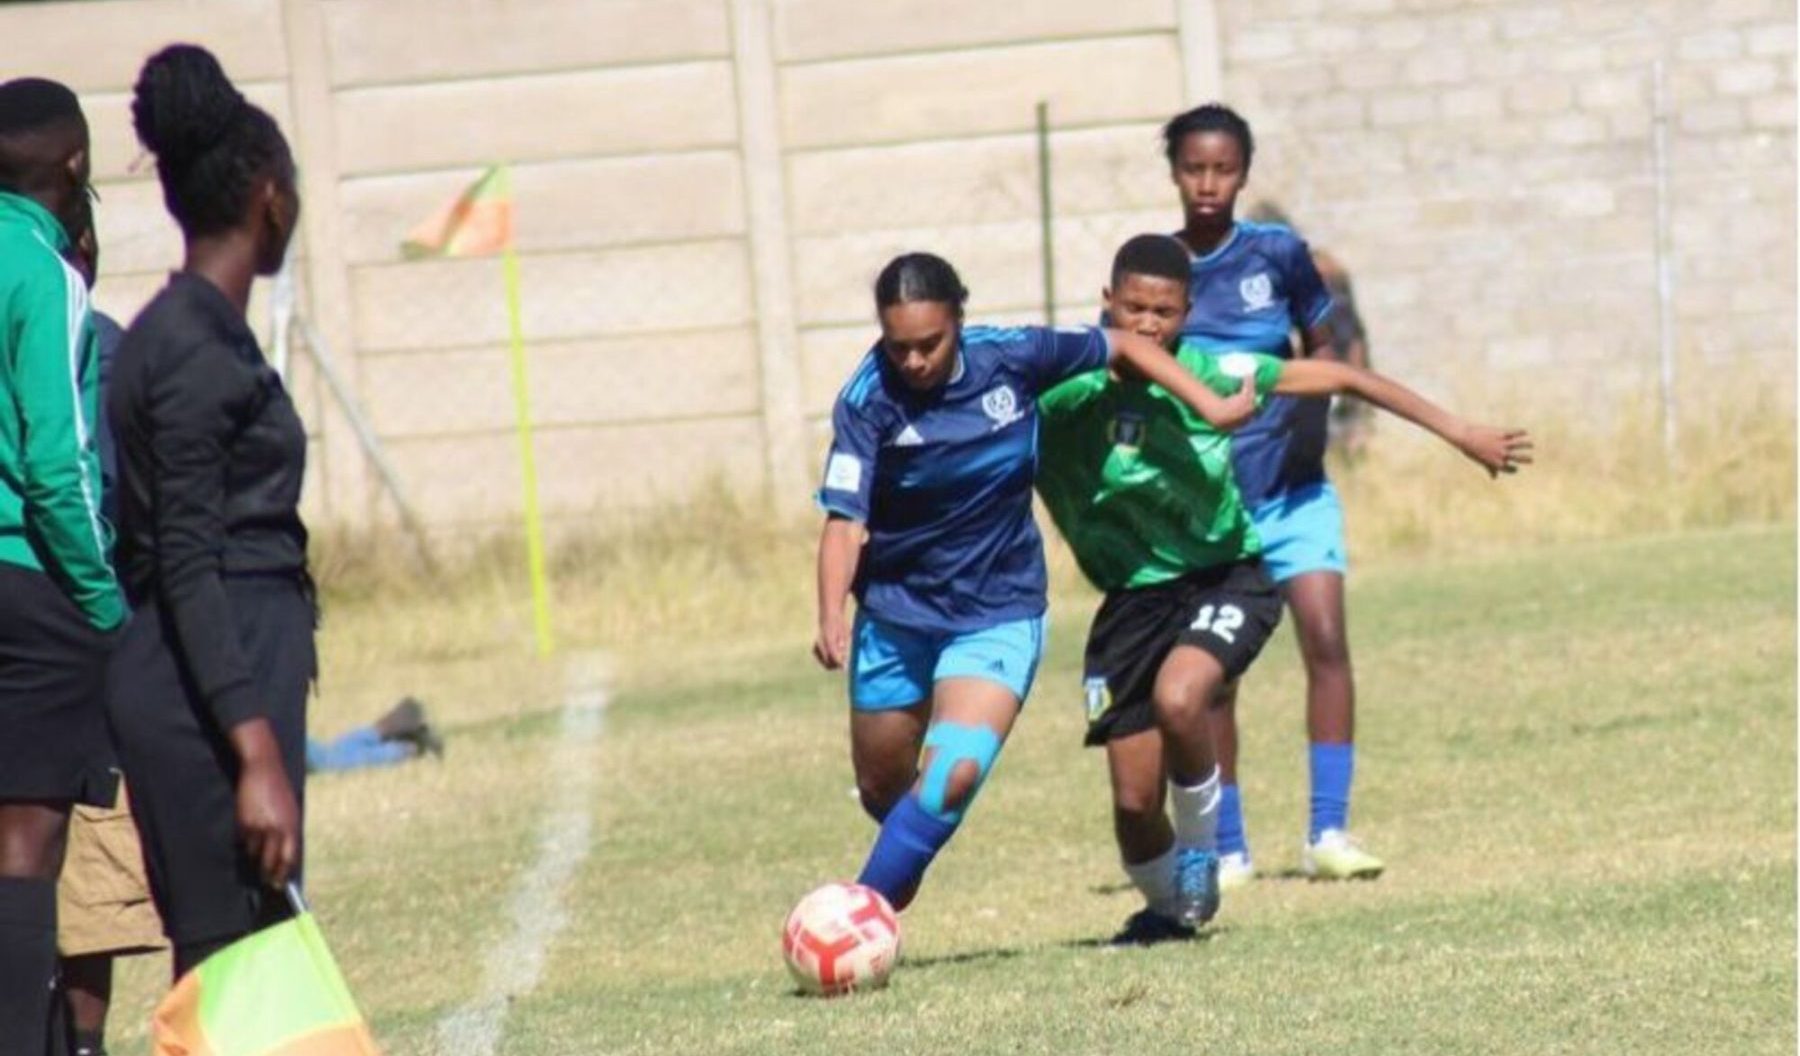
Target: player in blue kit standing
927,495
1251,286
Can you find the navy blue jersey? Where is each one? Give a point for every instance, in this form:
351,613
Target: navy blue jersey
1248,295
942,480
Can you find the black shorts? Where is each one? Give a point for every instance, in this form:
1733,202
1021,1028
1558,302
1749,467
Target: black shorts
1229,611
183,770
53,740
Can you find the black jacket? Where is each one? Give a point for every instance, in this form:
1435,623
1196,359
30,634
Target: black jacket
210,459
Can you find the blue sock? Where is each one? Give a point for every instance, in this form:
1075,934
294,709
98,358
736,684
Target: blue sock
1333,765
1231,822
910,838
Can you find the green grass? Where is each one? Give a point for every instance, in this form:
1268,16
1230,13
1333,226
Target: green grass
1579,762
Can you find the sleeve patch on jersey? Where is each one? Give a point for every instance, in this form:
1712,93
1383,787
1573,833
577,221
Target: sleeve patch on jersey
843,473
1238,364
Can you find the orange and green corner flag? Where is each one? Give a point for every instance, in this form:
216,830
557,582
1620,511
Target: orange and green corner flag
478,222
274,993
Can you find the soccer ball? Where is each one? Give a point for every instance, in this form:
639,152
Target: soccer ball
841,937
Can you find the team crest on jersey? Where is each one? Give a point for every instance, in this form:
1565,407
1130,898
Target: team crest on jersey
1258,292
1099,698
1001,406
1128,430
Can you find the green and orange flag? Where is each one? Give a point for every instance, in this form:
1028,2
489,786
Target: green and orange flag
477,223
274,993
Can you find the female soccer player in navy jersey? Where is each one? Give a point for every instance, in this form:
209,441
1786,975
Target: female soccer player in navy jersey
1251,286
927,493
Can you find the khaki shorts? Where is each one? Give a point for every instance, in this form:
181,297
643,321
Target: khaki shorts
103,899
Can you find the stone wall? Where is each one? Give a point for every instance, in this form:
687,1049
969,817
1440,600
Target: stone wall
1487,171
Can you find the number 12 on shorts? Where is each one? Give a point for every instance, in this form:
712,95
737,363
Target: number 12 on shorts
1222,620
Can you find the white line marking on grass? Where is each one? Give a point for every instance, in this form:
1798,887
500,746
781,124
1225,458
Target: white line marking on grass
516,962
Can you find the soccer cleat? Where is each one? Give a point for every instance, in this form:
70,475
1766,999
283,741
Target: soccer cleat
1196,885
1236,870
402,722
407,723
1147,927
1335,855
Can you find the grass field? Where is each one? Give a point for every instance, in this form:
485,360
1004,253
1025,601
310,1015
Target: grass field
1579,762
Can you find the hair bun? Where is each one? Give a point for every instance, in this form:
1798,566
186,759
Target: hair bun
183,104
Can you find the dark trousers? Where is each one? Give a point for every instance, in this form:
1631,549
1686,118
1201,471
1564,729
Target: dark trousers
181,766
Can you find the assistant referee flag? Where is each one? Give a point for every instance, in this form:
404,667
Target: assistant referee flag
274,993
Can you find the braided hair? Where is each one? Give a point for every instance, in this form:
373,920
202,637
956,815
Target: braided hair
212,145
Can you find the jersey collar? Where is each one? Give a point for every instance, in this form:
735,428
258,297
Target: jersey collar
1237,226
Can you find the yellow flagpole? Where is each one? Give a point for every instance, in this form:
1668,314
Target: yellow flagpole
534,523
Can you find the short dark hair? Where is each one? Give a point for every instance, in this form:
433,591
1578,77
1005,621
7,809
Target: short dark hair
211,144
30,107
30,103
1159,256
920,277
1212,117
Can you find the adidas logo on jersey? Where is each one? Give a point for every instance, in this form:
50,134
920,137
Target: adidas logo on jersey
909,437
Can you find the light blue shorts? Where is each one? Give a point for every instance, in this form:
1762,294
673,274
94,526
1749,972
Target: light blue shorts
1302,531
893,666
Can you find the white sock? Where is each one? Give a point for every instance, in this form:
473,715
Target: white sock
1156,880
1196,810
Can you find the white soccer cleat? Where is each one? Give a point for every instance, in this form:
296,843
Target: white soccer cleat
1236,870
1335,855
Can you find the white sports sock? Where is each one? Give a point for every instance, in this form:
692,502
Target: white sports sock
1196,810
1156,879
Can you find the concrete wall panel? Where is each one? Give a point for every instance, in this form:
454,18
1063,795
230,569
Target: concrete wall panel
969,93
584,204
809,30
460,303
954,182
99,46
704,374
444,124
382,42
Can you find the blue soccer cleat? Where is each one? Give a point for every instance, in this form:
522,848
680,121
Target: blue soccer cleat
1196,885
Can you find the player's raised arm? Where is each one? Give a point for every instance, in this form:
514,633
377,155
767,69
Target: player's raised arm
1496,449
1139,356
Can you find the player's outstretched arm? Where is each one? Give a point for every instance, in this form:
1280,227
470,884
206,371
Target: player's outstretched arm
1498,450
1138,356
840,547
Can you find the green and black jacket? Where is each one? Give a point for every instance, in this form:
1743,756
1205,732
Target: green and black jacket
49,468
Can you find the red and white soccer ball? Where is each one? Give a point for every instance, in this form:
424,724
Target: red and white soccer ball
841,937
